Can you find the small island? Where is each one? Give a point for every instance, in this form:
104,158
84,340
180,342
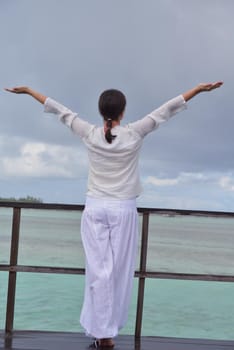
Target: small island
28,199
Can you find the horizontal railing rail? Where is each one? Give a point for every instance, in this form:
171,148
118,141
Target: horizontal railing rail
80,207
13,267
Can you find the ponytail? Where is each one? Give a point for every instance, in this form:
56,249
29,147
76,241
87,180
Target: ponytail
111,105
108,135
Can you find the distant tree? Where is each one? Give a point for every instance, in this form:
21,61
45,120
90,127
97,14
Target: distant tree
29,199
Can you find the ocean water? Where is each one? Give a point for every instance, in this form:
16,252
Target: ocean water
174,308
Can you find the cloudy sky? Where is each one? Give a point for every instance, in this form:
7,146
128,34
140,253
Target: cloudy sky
153,50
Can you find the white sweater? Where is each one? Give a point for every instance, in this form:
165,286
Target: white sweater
113,168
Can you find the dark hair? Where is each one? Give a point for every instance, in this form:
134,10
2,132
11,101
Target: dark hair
111,105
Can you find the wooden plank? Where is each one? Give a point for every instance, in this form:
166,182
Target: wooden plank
34,340
48,269
138,274
186,276
12,274
141,282
80,207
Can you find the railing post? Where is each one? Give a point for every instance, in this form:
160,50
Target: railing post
12,274
141,283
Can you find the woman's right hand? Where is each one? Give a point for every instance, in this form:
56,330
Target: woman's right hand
209,86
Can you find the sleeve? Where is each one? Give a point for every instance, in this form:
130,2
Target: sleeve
69,118
155,118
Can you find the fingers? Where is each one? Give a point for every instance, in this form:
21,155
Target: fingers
8,89
14,90
17,90
217,84
214,85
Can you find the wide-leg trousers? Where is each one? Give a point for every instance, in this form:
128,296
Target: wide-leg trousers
109,230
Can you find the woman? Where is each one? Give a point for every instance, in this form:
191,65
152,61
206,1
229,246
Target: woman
109,227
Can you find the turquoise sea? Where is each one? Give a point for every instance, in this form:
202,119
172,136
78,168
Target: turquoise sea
176,308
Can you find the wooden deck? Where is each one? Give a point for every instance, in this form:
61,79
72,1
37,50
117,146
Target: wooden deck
30,340
37,340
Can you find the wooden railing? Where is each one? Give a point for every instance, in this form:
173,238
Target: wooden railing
13,268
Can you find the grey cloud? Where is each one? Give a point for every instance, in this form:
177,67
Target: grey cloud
154,50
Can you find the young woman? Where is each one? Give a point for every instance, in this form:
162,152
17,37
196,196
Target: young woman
109,227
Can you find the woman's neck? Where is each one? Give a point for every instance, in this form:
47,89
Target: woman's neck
114,123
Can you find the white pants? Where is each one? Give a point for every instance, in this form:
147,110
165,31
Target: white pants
109,231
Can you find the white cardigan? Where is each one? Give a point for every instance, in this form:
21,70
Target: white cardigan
113,168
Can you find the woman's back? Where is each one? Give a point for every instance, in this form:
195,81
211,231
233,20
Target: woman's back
113,167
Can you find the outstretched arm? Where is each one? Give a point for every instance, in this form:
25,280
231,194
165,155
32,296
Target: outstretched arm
28,91
65,115
170,108
201,88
